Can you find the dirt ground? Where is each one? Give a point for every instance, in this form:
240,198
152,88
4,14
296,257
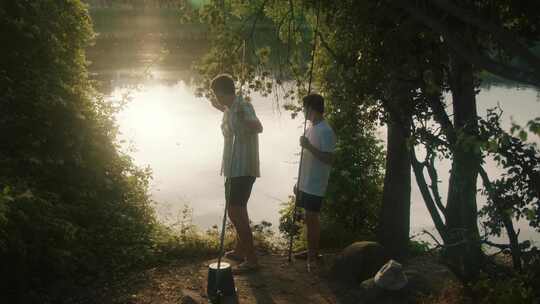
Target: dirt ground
281,282
276,282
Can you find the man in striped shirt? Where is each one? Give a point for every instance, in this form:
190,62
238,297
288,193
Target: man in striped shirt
240,164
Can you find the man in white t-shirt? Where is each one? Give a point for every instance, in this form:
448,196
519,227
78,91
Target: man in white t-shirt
319,143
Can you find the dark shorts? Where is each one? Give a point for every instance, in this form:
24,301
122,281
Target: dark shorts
309,202
240,190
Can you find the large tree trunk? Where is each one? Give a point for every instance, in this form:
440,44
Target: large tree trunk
461,208
395,216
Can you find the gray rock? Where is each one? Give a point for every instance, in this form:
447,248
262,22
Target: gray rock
426,275
417,283
391,276
359,261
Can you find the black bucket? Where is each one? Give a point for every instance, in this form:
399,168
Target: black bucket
220,282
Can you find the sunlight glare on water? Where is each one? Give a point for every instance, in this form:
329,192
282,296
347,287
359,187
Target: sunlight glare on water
179,137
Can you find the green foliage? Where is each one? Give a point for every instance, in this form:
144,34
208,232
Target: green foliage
417,248
72,206
516,193
289,226
272,56
182,238
534,126
510,290
264,237
354,192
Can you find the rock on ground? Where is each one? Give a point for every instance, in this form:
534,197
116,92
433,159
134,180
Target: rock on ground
359,261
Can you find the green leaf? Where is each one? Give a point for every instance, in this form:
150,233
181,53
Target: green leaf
523,135
492,146
514,128
529,214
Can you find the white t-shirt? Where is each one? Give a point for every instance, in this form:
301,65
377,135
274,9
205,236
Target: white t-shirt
314,173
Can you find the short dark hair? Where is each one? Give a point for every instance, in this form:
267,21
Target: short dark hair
314,102
223,83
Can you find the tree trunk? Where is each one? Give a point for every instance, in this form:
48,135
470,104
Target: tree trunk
462,217
395,216
506,219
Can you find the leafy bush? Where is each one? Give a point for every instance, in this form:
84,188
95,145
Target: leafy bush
510,290
417,248
184,239
71,205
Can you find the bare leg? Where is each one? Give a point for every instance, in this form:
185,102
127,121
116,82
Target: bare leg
313,234
238,248
240,219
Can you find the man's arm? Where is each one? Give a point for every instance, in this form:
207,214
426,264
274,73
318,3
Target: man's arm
250,119
325,157
254,125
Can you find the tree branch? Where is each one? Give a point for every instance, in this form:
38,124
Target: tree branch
428,200
504,36
332,53
471,55
445,245
430,166
507,221
253,25
440,115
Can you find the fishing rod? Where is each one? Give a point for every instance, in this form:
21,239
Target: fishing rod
228,184
293,220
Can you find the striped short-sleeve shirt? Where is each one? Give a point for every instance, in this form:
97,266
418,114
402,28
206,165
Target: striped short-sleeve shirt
241,144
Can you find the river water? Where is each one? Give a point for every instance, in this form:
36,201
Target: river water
164,126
